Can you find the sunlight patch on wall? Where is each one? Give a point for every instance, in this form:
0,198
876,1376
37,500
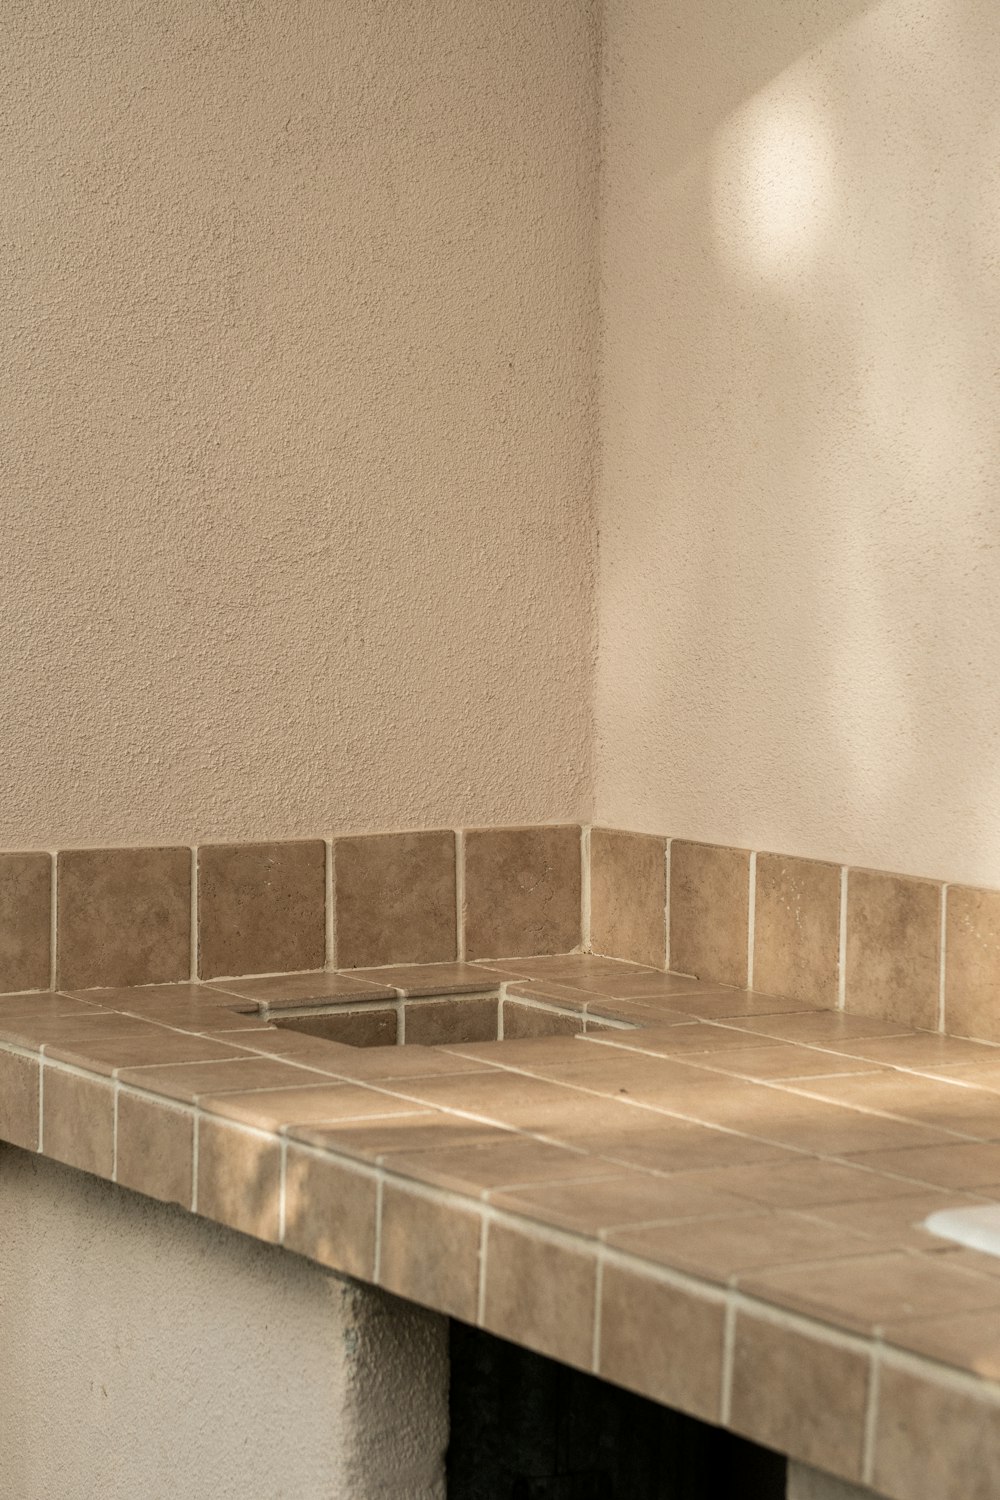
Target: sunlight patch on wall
773,183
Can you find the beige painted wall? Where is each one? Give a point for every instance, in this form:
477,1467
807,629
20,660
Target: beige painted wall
800,590
298,326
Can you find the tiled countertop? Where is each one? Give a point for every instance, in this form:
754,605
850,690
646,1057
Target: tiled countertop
718,1208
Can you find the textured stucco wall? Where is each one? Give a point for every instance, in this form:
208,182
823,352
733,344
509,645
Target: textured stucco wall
800,586
144,1352
298,328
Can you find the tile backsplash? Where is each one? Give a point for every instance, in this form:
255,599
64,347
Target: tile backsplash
917,953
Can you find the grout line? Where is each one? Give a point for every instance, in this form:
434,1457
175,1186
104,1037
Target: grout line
460,894
842,943
483,1248
331,952
585,932
500,1017
41,1095
871,1419
751,916
195,1147
282,1182
595,1351
666,902
728,1357
114,1133
943,957
400,1009
194,913
53,920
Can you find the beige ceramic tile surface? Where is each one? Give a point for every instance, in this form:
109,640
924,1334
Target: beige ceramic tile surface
188,1082
590,1204
330,1213
381,1139
283,991
894,1221
969,1341
431,1022
394,899
312,1103
123,917
155,1149
941,1105
935,1440
799,1394
972,963
521,1021
628,896
797,928
261,907
78,1121
483,1163
662,1341
429,1252
373,1026
522,891
436,979
112,1054
540,1294
239,1179
893,947
959,1164
718,1249
865,1293
805,1182
19,1100
25,921
709,911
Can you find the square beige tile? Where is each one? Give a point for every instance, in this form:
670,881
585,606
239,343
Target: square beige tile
797,929
78,1121
590,1204
19,1100
972,963
709,911
521,1021
628,896
375,1026
313,1102
25,921
661,1340
958,1164
286,991
893,947
935,1441
540,1294
429,1252
189,1082
394,897
967,1341
261,907
414,980
330,1213
123,916
800,1394
429,1023
718,1249
866,1292
522,891
239,1179
155,1151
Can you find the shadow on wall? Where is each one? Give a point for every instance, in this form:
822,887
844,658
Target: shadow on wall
799,602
